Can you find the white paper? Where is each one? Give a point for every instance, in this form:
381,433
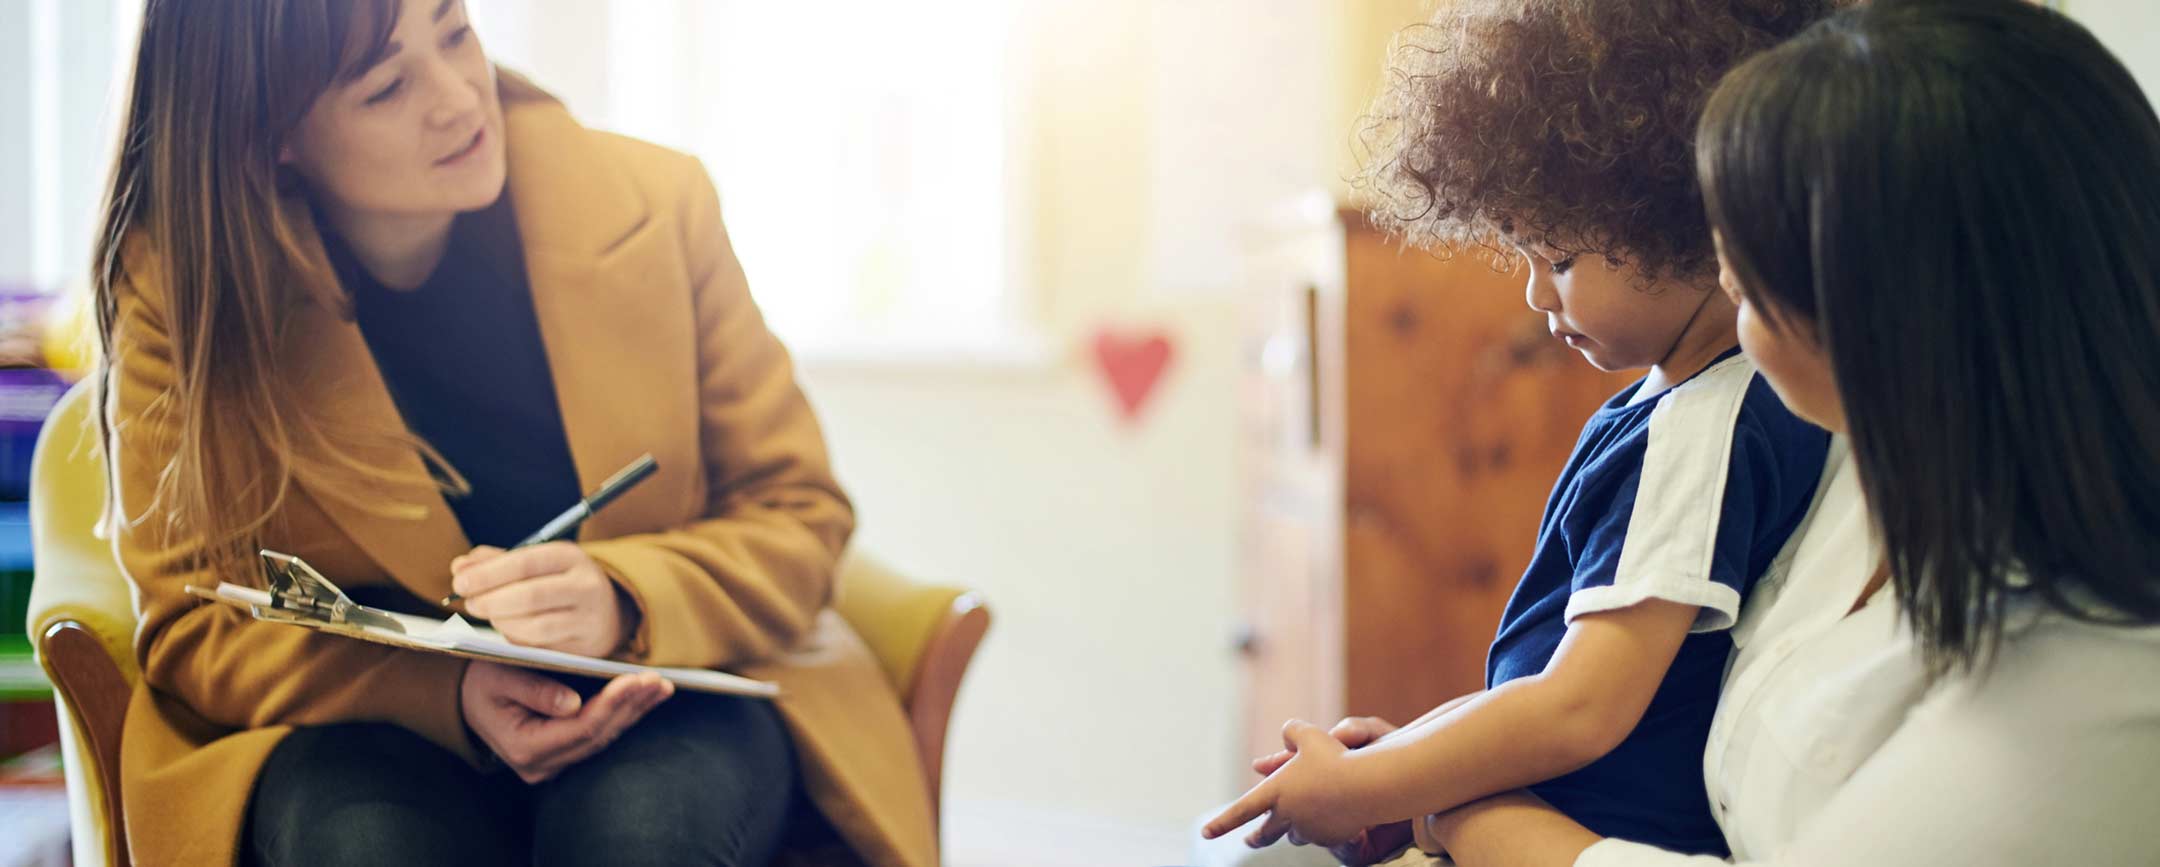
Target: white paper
456,633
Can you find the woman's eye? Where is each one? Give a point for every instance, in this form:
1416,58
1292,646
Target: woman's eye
1562,266
384,94
458,37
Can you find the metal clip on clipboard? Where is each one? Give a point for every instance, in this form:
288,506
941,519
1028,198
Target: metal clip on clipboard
298,593
300,596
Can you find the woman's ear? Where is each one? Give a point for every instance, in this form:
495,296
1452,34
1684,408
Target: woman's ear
285,156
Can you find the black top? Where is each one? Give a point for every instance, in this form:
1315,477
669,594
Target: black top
464,360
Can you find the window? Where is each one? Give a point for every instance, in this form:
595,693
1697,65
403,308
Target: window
57,106
862,148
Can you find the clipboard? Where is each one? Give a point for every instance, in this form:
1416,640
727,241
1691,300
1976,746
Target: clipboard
300,596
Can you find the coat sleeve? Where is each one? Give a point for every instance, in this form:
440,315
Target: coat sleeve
748,579
230,669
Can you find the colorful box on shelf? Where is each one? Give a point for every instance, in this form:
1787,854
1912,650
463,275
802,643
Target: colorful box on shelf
20,677
27,396
28,389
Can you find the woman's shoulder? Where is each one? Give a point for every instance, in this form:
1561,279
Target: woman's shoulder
659,173
662,173
140,278
2066,670
2060,641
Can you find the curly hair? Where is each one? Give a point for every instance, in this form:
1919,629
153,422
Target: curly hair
1568,123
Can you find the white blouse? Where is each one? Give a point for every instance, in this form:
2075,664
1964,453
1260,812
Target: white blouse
1830,747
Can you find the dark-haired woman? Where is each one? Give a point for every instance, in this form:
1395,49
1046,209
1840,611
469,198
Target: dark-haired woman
1941,222
347,270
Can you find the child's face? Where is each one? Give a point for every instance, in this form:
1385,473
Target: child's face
1790,357
1604,311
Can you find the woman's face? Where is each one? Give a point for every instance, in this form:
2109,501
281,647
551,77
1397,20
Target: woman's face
419,133
1792,359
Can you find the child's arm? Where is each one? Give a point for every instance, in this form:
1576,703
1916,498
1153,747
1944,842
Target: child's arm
1361,731
1444,709
1528,730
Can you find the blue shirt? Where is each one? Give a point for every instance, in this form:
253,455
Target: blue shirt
1687,497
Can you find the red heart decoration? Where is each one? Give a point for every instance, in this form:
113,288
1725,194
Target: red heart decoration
1133,365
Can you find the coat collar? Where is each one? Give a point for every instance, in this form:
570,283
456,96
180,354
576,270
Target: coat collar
571,199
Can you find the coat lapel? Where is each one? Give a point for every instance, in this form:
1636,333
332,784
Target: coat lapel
612,297
406,528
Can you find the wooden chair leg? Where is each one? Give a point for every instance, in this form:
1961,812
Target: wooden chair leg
937,682
98,696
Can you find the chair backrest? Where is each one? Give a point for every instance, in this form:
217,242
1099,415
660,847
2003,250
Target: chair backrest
67,498
82,620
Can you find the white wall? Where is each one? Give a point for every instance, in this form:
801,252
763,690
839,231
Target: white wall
2131,29
15,143
55,59
1103,707
1105,691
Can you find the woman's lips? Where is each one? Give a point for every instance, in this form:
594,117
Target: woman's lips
470,148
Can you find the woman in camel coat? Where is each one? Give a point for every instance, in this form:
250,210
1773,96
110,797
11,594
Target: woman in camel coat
367,300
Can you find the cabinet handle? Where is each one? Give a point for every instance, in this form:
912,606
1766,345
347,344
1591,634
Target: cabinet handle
1312,366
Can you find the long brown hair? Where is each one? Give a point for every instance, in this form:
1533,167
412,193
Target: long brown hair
200,213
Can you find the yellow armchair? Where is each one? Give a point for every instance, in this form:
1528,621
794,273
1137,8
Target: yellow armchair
82,621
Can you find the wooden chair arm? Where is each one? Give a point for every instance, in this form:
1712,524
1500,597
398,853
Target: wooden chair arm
937,682
87,681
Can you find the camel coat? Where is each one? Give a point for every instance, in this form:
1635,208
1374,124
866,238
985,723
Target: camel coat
729,551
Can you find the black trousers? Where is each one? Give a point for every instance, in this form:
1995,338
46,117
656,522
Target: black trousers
702,779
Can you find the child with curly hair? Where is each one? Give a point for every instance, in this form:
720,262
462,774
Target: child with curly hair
1561,132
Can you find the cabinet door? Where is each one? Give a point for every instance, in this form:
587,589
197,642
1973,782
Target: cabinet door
1461,411
1290,639
1292,661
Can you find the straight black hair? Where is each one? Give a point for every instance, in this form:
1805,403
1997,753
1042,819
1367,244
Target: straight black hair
1960,199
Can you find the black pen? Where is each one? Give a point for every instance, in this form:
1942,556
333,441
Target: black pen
569,520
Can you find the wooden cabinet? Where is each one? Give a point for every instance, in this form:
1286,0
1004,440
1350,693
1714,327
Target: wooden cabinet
1403,417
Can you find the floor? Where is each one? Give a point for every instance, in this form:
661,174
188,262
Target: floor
33,810
1005,835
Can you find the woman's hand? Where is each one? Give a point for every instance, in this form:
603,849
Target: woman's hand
1307,798
553,596
538,726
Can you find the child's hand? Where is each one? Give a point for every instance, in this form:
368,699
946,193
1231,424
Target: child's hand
1304,799
1353,732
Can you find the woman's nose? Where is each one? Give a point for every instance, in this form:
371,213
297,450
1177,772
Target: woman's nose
456,96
